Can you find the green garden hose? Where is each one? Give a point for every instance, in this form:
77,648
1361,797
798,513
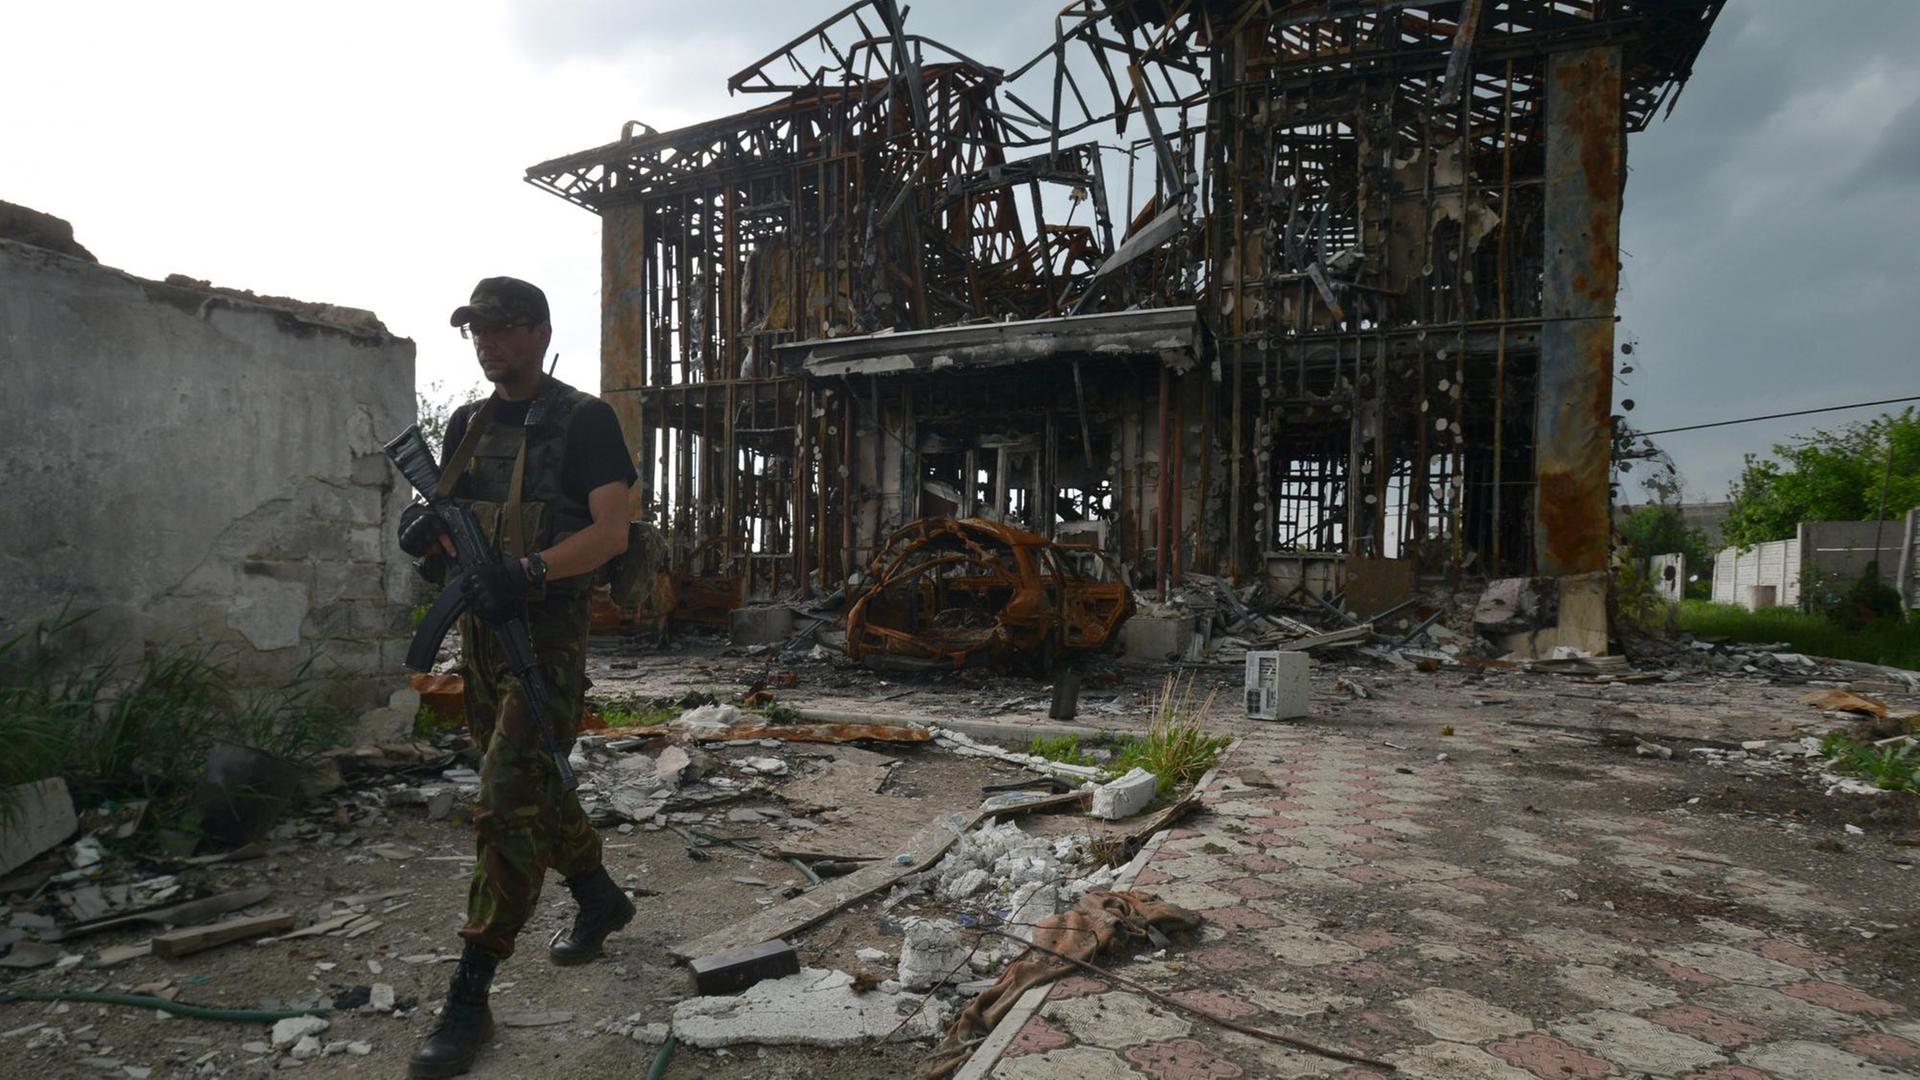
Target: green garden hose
660,1059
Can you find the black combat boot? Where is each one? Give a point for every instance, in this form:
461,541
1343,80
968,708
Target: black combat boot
465,1024
604,908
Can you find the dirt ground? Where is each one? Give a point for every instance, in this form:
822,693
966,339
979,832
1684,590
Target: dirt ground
1536,743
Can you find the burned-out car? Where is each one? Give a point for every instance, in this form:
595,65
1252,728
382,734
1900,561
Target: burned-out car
946,592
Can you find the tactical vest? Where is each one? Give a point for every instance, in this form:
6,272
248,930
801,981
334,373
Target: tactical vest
510,478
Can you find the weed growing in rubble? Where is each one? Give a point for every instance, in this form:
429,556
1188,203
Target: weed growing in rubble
643,716
1176,748
1062,748
141,730
1891,768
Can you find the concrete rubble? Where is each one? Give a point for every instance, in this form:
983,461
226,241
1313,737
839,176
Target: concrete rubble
814,1008
1126,796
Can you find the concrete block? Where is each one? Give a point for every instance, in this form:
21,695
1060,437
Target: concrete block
1126,796
42,817
813,1008
759,625
736,969
931,953
1276,685
1156,638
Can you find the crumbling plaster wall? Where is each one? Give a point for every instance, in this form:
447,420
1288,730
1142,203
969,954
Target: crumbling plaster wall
198,468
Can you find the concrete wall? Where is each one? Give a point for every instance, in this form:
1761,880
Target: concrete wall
1775,563
1837,552
201,468
1833,552
1669,576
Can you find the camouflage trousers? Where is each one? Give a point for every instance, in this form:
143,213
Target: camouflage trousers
524,823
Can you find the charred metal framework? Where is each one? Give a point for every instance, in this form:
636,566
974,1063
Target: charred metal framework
1359,316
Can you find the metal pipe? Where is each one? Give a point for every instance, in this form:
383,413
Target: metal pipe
1161,494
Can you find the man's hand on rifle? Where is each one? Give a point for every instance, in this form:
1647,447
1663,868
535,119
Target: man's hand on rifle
422,531
495,591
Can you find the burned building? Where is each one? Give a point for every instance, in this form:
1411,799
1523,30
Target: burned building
1338,310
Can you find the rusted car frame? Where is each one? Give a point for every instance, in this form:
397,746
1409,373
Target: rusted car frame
948,592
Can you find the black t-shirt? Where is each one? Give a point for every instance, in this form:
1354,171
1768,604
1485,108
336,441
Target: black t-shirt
596,451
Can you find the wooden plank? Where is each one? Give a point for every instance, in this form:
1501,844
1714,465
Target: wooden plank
826,733
1353,635
325,926
187,942
809,908
192,911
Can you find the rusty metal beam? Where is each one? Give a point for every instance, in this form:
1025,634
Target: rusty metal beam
1585,172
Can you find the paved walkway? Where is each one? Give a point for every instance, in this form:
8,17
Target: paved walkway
1526,910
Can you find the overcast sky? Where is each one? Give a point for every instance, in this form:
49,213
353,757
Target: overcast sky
371,155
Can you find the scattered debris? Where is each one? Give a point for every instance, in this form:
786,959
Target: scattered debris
737,969
812,1008
1125,797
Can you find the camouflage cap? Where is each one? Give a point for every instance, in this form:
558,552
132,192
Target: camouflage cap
502,301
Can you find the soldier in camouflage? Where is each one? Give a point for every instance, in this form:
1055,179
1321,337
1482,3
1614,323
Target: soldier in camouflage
546,471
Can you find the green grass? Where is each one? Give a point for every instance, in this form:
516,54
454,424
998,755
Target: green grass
641,715
124,730
1889,642
1064,749
1176,748
1891,768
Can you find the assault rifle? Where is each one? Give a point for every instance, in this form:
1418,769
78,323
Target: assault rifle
409,452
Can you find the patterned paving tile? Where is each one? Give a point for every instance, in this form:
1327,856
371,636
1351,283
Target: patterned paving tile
1717,1028
1115,1020
1731,963
1789,953
1228,958
1728,1072
1216,1003
1885,1049
1253,888
1074,986
1842,998
1182,1059
1636,1043
1455,1061
1609,988
1238,918
1303,947
1550,1059
1037,1037
1685,975
1072,1063
1786,1017
1369,875
1372,939
1456,1016
1359,971
1794,1060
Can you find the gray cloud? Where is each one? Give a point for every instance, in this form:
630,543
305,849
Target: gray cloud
1767,230
1894,164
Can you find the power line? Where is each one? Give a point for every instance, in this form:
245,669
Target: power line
1776,416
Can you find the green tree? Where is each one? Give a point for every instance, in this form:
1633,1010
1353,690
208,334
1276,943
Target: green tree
1658,529
435,405
1828,476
